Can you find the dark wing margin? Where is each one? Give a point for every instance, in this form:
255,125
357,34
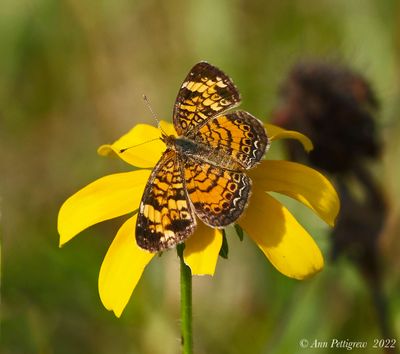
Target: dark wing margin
206,92
165,216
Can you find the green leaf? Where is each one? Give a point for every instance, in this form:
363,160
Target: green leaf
239,232
224,248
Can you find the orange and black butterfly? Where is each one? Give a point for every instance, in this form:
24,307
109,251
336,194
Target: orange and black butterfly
202,171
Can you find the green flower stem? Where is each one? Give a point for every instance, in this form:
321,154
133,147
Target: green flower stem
186,304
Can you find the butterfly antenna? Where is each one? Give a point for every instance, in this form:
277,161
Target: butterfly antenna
147,102
133,146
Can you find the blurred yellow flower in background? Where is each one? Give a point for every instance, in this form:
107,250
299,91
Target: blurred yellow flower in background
286,244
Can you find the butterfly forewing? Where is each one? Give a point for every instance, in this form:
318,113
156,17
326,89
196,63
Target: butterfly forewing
206,92
165,215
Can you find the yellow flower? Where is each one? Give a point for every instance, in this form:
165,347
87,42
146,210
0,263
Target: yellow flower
267,222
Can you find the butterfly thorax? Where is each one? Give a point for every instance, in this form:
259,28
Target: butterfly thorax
187,148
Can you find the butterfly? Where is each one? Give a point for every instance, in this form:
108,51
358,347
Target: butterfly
202,171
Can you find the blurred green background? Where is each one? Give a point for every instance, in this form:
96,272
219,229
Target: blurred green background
72,78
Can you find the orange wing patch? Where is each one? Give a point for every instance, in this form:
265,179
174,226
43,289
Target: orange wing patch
206,92
165,215
238,135
219,196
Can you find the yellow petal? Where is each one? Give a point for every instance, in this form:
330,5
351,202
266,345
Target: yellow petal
122,268
287,245
202,249
104,199
167,128
143,143
274,133
299,182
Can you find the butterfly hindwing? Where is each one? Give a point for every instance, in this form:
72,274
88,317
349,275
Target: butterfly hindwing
237,134
206,92
165,215
219,195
